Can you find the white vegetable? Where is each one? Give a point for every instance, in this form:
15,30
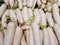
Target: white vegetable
24,2
2,9
36,34
43,1
56,13
57,31
41,34
43,18
49,19
30,3
7,2
20,4
37,16
34,4
25,14
31,39
39,2
52,36
23,41
18,36
10,33
46,37
4,22
1,38
19,16
59,2
11,2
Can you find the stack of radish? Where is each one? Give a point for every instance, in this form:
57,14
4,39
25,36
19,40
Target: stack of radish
30,22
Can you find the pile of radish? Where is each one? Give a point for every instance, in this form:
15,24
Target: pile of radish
30,22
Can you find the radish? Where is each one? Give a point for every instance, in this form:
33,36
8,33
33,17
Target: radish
36,34
7,2
50,19
19,16
20,4
41,34
43,18
59,2
52,36
11,2
56,15
57,31
1,38
3,20
23,41
24,2
2,9
30,3
9,34
37,16
46,37
18,36
39,2
43,1
31,39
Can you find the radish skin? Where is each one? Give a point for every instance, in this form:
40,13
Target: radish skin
2,9
50,19
57,31
58,2
30,3
36,34
43,18
39,2
52,36
18,36
19,16
23,41
3,20
24,2
9,34
7,2
20,4
11,2
1,38
56,13
46,37
43,1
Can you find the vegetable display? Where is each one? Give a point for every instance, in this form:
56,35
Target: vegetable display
29,22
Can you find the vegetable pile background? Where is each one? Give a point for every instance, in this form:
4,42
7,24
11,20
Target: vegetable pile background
29,22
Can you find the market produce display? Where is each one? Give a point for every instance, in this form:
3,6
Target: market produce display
29,22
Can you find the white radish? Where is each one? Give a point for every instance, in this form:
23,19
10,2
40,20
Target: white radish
57,31
12,15
18,36
36,34
23,41
52,36
2,9
37,16
39,2
49,19
46,37
30,3
41,34
25,14
34,4
7,2
58,2
1,38
10,33
56,13
43,18
43,1
3,20
24,2
20,4
19,16
31,39
11,2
